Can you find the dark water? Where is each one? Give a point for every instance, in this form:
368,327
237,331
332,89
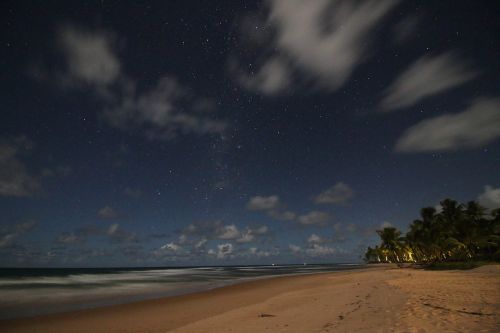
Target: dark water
28,292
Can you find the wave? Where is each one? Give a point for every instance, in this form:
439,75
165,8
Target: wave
33,292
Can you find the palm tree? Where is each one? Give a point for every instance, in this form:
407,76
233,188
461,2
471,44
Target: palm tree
390,237
458,232
469,229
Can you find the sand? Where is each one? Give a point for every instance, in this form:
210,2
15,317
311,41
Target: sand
378,299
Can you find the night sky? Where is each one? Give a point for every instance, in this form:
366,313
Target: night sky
139,133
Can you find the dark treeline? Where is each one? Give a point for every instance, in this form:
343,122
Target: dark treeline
460,232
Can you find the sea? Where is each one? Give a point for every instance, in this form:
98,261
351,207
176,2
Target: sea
26,292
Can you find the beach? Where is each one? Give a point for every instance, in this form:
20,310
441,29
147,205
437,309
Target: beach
381,298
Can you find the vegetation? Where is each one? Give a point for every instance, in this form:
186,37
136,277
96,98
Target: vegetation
442,240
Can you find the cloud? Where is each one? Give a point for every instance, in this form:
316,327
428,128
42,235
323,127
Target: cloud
282,215
338,194
314,238
317,250
405,28
67,238
247,236
228,232
162,112
197,234
171,247
195,238
260,203
113,229
386,224
90,56
478,125
273,77
114,233
272,206
315,218
200,243
224,250
250,235
119,235
490,198
9,234
427,76
295,249
314,250
107,213
15,179
253,251
7,239
325,40
262,230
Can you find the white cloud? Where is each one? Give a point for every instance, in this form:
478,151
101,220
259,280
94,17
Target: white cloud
314,217
69,238
317,250
183,239
251,235
478,125
282,215
7,239
323,39
295,249
119,235
9,234
385,224
172,247
15,179
426,77
314,250
405,28
247,236
340,193
228,232
113,229
224,250
90,56
253,251
314,238
200,243
162,112
107,213
273,77
262,230
490,198
198,234
260,203
272,206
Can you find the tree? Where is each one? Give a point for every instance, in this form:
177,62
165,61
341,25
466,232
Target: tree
458,232
390,237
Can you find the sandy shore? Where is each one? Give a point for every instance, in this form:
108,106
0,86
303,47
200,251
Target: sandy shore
380,299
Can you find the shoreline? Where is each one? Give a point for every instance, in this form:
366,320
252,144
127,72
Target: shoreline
372,299
105,298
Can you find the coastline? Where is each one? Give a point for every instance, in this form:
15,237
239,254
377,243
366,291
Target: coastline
55,291
381,298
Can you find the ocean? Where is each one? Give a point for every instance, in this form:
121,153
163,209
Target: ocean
35,291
